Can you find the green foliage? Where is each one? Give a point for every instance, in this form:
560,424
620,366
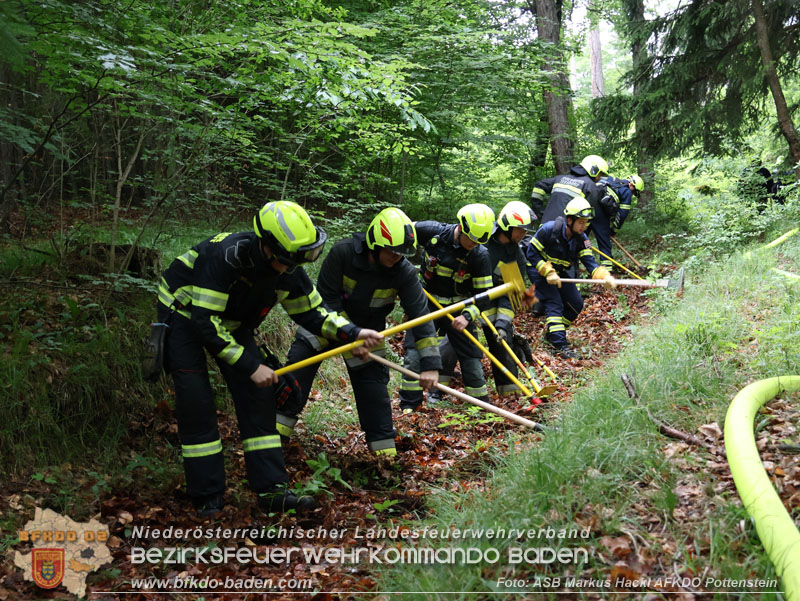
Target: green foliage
736,322
323,476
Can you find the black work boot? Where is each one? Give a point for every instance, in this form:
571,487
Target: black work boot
279,499
434,396
208,506
566,352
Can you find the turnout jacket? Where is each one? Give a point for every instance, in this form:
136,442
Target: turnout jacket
225,286
562,189
550,244
449,272
619,190
366,293
501,314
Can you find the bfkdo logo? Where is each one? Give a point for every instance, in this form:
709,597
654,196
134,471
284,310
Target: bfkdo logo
48,567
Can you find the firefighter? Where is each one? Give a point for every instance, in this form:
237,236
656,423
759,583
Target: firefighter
581,182
213,298
514,221
620,192
554,253
455,266
362,277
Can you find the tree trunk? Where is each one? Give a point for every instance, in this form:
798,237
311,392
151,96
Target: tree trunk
784,116
643,138
596,64
558,95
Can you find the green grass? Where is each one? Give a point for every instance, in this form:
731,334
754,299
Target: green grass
737,322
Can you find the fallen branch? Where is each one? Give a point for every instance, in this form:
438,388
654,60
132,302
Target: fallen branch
663,427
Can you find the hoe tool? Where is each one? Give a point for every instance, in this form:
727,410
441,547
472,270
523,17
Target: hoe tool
514,287
627,254
464,397
485,351
542,391
676,284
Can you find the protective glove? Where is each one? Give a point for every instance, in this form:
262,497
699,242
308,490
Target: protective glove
287,390
502,334
553,279
550,274
602,274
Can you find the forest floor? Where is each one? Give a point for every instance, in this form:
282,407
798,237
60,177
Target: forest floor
443,447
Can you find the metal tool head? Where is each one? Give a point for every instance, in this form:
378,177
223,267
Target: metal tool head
546,391
511,275
677,283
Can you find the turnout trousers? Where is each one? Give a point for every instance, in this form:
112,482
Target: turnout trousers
201,446
369,380
561,307
467,354
501,381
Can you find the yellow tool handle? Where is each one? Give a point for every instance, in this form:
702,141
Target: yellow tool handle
536,386
602,254
463,396
544,367
486,352
492,294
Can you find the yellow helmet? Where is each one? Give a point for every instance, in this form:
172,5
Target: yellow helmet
516,214
393,230
579,208
595,165
476,221
287,229
637,182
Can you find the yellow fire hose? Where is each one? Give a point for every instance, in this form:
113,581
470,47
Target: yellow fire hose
542,391
602,254
486,352
513,287
775,527
463,396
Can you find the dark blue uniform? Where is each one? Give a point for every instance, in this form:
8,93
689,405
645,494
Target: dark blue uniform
213,297
501,313
366,293
450,273
622,196
562,305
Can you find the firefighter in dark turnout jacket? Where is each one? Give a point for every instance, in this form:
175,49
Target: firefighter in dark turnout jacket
213,297
553,253
514,221
361,278
617,207
454,267
580,182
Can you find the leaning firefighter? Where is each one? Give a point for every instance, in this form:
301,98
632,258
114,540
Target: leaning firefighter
553,253
213,298
514,222
620,193
455,266
362,277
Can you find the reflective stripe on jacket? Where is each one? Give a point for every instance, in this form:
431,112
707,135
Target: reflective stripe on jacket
366,292
550,244
448,271
225,283
561,189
